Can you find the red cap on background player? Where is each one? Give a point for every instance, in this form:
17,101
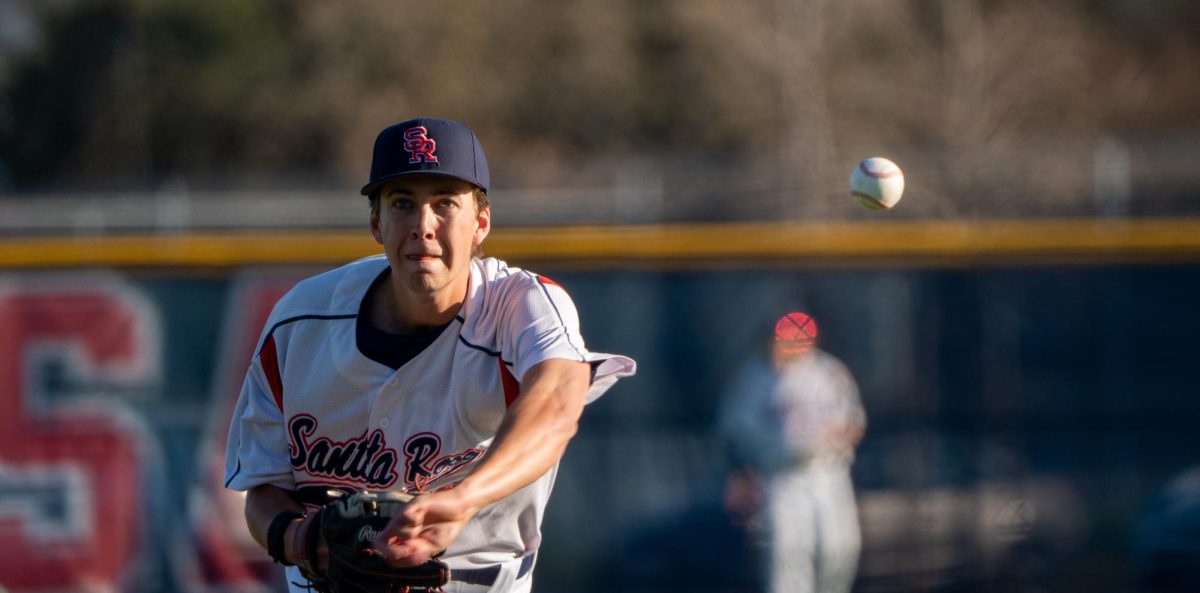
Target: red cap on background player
795,332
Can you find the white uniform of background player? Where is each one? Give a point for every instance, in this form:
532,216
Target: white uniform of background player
316,413
792,426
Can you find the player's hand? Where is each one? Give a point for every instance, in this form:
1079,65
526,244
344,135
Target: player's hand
743,497
428,525
841,438
296,543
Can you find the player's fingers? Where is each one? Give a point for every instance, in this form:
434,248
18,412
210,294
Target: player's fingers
397,531
408,553
405,531
413,513
408,532
399,555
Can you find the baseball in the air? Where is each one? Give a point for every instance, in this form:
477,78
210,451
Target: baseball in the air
877,183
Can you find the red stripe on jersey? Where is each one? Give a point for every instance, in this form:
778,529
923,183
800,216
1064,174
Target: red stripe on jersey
270,365
512,388
545,280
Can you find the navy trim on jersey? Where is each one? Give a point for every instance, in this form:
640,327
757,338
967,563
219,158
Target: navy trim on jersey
561,322
303,317
268,336
477,347
235,473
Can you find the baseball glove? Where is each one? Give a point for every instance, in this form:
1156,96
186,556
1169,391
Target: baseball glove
349,527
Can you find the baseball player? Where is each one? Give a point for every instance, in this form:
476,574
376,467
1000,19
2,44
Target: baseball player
793,426
427,369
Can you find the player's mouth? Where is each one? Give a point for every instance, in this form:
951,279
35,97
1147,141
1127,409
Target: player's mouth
421,256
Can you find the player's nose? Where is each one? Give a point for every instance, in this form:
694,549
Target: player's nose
424,222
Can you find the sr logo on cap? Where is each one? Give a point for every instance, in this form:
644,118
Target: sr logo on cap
427,146
419,145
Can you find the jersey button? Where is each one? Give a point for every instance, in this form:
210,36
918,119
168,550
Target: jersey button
383,423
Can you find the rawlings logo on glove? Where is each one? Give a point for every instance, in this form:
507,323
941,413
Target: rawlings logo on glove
367,534
349,528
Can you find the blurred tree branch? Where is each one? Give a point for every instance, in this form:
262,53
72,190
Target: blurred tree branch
980,96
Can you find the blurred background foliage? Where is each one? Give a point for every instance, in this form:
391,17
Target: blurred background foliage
991,103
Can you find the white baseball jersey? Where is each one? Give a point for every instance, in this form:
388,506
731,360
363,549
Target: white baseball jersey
314,413
777,419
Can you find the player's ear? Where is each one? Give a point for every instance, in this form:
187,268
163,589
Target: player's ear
375,232
483,219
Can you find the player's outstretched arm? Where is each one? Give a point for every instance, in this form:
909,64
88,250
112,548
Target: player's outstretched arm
532,438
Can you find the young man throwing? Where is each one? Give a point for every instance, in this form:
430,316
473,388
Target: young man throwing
426,370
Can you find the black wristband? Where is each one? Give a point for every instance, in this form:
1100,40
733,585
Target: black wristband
275,535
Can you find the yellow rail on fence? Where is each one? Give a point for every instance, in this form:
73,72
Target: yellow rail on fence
854,243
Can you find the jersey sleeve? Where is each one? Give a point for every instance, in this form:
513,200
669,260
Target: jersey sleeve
747,422
540,322
854,412
257,450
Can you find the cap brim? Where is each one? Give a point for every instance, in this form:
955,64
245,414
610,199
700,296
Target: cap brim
371,187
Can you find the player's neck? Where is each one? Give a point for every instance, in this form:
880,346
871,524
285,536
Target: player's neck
399,310
796,360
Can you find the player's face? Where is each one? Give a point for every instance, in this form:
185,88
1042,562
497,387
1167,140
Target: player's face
428,226
784,353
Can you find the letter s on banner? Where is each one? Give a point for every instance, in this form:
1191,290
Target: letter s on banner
72,512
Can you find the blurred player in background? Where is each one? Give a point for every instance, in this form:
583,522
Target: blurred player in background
426,369
792,426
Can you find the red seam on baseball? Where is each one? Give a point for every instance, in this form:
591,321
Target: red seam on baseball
880,174
859,194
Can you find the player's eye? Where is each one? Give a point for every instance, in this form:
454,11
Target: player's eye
402,203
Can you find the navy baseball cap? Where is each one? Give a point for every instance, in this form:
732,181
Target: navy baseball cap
427,145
